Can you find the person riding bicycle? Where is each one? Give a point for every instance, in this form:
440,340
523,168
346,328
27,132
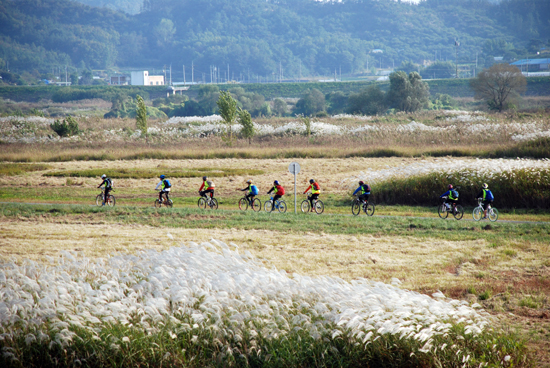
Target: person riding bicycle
279,192
108,187
164,185
208,187
452,196
252,191
487,196
315,191
364,192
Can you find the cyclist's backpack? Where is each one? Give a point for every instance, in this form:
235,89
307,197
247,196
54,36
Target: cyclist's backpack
254,190
167,183
109,183
366,188
454,192
210,184
489,195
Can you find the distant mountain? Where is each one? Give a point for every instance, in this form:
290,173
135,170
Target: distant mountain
127,6
266,39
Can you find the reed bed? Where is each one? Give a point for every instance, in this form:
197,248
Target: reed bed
209,305
519,183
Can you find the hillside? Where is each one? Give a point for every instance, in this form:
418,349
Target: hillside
261,40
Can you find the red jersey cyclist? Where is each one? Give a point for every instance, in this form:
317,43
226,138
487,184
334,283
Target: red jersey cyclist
207,187
279,192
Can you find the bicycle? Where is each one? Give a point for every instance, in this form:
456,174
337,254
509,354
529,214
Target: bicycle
357,205
204,202
255,204
280,205
492,213
167,202
110,200
444,209
318,206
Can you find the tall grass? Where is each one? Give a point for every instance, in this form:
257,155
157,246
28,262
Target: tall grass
149,173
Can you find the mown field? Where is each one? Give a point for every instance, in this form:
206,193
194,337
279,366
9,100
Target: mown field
134,285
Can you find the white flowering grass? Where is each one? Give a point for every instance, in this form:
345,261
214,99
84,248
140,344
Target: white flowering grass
209,294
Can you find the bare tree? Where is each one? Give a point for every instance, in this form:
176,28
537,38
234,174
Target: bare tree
498,84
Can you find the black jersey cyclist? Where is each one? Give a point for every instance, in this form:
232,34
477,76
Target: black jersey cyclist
108,187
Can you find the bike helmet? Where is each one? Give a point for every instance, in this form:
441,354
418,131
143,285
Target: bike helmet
485,185
276,182
361,182
204,177
450,186
103,176
249,182
311,181
162,176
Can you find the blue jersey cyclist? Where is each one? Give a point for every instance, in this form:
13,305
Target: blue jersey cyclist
363,192
108,187
165,186
452,196
252,191
487,196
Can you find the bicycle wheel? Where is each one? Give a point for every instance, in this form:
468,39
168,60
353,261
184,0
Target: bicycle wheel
243,204
99,200
158,203
202,203
492,214
305,206
476,214
256,205
442,211
268,206
355,208
458,212
111,200
169,203
282,206
213,204
319,207
370,209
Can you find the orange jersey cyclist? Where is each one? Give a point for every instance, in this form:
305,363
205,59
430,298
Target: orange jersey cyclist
315,191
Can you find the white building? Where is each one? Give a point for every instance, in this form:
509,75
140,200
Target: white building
142,78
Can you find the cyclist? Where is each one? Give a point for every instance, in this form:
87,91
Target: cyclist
207,187
315,191
279,192
252,191
452,196
108,187
164,185
364,192
487,196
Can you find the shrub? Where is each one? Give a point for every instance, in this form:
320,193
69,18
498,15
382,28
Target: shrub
66,128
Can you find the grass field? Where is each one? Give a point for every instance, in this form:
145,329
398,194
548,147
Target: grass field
503,266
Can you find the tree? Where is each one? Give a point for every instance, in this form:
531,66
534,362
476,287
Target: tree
407,93
337,102
141,116
408,66
439,70
279,107
248,127
227,107
312,102
370,101
498,84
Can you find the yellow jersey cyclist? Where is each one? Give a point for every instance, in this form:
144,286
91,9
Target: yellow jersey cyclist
452,197
315,191
207,187
252,192
363,192
487,196
165,186
108,187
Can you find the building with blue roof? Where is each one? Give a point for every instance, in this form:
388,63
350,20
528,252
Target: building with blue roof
532,65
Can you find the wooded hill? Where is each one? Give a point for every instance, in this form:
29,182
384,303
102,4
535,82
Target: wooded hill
267,39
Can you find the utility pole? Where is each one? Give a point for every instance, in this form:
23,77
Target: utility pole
184,75
227,73
192,72
170,74
456,57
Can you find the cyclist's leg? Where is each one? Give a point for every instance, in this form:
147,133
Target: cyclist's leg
275,199
364,198
160,195
203,193
107,192
312,198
